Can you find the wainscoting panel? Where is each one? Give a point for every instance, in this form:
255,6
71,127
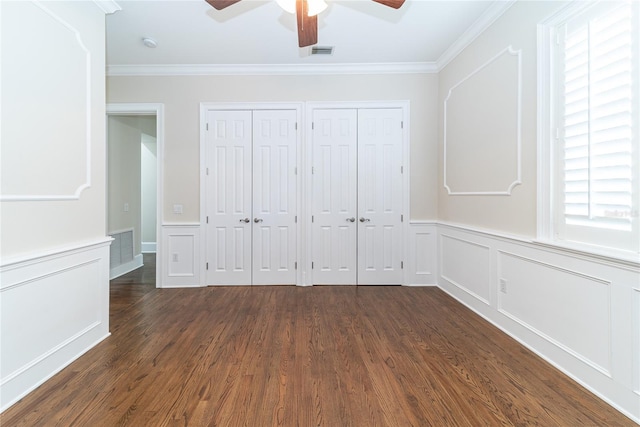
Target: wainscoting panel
53,309
421,255
556,303
465,264
636,340
180,266
578,311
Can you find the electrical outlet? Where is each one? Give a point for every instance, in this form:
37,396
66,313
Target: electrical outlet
174,257
503,286
126,207
177,209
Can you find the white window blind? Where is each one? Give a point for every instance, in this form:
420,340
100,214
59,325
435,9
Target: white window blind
598,125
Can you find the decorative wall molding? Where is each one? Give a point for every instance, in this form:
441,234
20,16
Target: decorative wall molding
61,302
80,187
590,313
636,339
421,269
517,138
180,264
495,11
474,279
570,308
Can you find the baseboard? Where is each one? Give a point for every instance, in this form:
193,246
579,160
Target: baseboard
125,268
149,247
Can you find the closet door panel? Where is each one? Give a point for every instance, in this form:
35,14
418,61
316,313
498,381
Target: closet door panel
274,197
379,196
228,198
334,203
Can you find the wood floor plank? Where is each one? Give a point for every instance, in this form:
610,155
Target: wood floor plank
287,356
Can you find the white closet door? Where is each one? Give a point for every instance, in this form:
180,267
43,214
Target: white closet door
334,196
274,197
228,198
379,196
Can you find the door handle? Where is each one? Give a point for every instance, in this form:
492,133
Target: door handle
246,220
351,219
257,220
363,219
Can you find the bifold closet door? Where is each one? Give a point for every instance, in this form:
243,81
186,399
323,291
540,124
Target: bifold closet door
380,196
274,197
251,197
229,197
335,196
357,196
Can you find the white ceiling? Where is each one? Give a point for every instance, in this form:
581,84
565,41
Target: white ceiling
259,32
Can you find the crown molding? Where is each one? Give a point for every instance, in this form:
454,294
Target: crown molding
108,6
270,69
495,11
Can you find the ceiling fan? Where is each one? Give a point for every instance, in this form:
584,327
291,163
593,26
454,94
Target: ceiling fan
307,25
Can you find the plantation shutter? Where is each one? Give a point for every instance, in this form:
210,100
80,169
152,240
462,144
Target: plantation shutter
597,120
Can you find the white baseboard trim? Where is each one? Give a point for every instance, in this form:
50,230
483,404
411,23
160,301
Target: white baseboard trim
420,285
125,268
149,247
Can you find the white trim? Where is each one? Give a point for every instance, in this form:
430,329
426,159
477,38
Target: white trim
149,247
145,109
108,6
269,69
51,254
125,268
495,11
88,119
508,50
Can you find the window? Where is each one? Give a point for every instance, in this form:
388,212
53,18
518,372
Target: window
591,126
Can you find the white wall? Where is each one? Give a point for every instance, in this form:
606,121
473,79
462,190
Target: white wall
182,95
54,289
125,142
149,157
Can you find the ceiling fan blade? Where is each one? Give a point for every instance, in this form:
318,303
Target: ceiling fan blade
221,4
307,25
391,3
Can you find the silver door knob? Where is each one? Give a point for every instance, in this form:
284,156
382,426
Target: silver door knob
363,219
246,220
351,219
257,220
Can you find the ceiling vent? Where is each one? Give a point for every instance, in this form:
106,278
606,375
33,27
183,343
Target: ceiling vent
322,50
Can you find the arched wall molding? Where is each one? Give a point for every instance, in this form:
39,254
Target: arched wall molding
81,186
516,179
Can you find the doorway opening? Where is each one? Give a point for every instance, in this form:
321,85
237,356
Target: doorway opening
134,186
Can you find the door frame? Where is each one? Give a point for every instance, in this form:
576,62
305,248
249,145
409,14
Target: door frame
205,107
306,241
157,110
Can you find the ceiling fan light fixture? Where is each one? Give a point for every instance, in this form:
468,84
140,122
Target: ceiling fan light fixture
315,7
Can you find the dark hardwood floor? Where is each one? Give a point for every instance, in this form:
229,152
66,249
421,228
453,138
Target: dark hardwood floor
290,356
